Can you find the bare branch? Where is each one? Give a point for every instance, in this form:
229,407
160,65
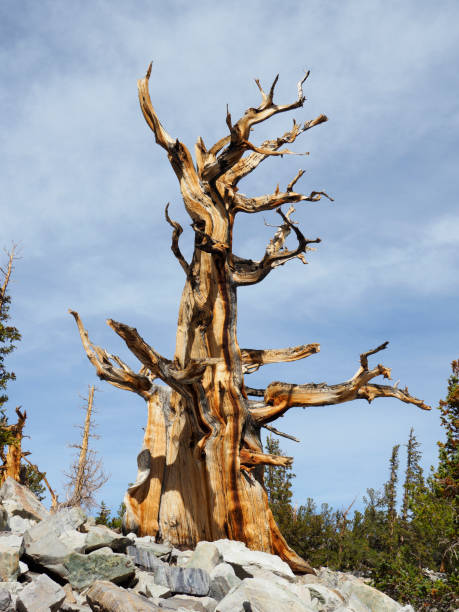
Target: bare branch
6,273
279,396
249,272
280,433
161,136
249,163
297,177
252,359
215,167
250,457
242,203
175,241
159,366
122,376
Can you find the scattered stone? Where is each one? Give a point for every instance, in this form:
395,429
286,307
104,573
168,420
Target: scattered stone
330,598
23,568
144,557
20,525
262,596
222,580
9,563
375,600
102,551
6,601
41,595
51,541
147,586
18,500
3,519
100,536
13,588
106,597
185,580
247,563
188,602
206,556
181,557
84,570
189,581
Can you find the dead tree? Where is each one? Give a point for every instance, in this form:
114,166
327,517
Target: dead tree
86,475
200,469
12,457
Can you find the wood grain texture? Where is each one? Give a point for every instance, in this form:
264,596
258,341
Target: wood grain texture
200,473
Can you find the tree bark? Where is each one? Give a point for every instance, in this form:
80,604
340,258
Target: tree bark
200,471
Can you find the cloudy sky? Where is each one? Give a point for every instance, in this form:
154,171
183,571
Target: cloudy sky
84,187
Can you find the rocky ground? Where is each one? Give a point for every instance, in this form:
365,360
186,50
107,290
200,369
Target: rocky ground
63,561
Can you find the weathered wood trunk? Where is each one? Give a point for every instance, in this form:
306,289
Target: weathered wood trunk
12,461
200,471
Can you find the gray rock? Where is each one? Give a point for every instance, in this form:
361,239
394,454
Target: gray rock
222,580
6,601
9,563
3,519
20,525
181,557
262,596
206,556
52,540
188,602
189,581
147,586
106,597
18,500
144,557
247,563
84,570
102,551
100,536
370,597
23,568
331,599
13,588
41,595
185,580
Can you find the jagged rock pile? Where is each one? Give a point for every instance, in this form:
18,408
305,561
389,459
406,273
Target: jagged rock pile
63,561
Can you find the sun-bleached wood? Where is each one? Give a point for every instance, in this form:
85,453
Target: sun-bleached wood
200,470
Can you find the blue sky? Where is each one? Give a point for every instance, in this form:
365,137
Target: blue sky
84,188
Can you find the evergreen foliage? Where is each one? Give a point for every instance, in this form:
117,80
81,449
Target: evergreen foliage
9,335
32,478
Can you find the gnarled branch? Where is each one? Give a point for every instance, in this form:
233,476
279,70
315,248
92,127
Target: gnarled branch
159,366
249,272
252,359
247,164
119,375
178,229
250,457
281,433
279,396
268,202
215,167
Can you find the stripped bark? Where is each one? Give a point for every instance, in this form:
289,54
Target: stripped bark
12,458
200,468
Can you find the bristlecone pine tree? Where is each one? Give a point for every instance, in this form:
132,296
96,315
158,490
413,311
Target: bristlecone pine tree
200,469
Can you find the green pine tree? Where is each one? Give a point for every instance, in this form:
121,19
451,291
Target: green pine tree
103,518
447,474
9,335
278,485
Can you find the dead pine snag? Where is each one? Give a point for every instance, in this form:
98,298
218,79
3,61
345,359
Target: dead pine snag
201,465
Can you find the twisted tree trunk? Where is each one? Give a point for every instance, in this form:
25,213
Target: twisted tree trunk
200,471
